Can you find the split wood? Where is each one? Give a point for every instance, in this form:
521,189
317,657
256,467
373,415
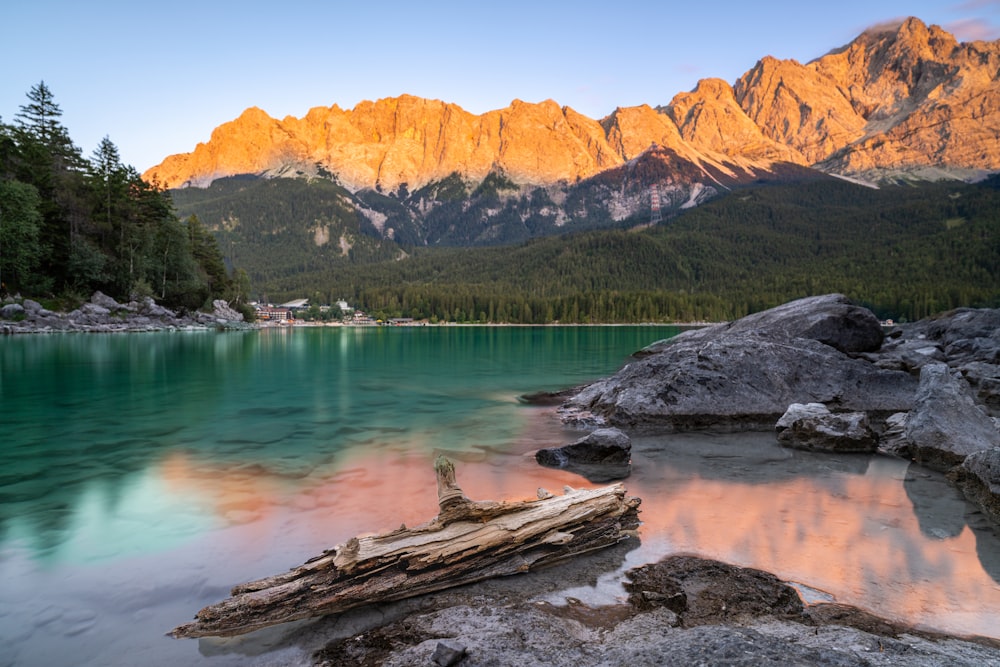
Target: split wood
468,541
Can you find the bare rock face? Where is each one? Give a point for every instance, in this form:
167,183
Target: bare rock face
745,374
907,100
401,140
831,319
799,107
600,456
927,100
710,118
970,341
945,425
979,479
813,427
703,592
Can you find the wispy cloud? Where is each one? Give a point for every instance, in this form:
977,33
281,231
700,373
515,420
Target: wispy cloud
970,30
975,5
975,26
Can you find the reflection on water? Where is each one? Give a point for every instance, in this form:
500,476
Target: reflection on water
148,474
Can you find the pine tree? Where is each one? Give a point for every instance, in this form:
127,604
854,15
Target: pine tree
48,160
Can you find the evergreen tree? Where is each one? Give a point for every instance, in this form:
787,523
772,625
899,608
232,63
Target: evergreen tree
206,253
68,224
48,160
19,247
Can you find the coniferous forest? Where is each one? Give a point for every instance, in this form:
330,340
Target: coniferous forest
70,225
905,251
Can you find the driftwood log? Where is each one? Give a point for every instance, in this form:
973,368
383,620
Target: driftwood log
468,541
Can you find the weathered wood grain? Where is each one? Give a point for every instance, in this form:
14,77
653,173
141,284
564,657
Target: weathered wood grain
468,541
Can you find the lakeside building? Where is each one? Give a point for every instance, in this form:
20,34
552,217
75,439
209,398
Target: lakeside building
275,314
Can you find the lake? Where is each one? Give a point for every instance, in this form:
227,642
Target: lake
142,475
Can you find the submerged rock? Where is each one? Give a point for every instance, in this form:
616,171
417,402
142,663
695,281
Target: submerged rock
601,456
812,426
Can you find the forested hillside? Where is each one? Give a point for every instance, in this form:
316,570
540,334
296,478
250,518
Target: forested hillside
905,251
70,226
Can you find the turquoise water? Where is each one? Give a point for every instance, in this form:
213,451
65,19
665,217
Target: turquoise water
141,476
119,450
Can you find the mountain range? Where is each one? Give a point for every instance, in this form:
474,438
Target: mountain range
901,104
900,101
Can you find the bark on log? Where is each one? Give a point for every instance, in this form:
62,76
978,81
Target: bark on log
468,541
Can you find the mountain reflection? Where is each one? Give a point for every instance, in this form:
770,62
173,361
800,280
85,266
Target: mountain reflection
857,535
164,468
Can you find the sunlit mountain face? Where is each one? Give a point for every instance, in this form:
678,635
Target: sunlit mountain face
899,102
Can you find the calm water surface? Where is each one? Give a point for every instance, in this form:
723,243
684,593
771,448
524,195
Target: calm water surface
141,476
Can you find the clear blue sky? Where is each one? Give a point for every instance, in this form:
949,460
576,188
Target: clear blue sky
158,77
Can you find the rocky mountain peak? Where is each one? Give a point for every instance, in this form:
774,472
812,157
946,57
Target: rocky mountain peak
903,99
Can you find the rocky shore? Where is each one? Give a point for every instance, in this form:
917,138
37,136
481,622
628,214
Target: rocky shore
102,314
821,372
680,611
824,374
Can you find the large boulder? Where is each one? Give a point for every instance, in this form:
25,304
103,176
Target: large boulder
945,424
969,340
731,378
703,592
978,477
222,311
813,427
11,311
600,456
105,301
149,308
831,319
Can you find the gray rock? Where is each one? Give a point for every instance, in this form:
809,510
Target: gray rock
222,311
831,319
984,378
150,308
978,477
736,381
812,426
945,424
32,307
102,299
94,312
704,592
448,652
961,324
967,336
600,456
50,321
906,354
893,440
730,616
102,314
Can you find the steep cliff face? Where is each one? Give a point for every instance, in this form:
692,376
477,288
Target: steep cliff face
928,101
710,118
895,100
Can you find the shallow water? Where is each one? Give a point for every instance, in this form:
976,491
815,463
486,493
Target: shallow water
141,476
